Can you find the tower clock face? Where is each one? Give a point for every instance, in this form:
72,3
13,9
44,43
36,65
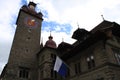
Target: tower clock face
30,22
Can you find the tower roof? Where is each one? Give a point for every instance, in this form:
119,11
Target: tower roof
32,3
79,33
50,42
30,9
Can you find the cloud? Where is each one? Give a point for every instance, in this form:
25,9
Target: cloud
9,11
113,13
6,38
54,26
86,12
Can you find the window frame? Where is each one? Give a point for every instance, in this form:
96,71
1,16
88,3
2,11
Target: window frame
77,68
24,72
116,53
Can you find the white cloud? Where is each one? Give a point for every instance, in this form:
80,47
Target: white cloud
86,12
9,9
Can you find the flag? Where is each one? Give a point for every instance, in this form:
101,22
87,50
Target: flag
60,67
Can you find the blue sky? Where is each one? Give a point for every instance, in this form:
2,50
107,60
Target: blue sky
60,16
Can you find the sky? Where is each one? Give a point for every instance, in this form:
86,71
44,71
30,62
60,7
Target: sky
61,17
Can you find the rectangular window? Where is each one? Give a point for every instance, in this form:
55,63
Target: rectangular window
89,65
53,74
42,58
24,72
68,73
77,68
92,62
53,57
117,55
41,74
100,78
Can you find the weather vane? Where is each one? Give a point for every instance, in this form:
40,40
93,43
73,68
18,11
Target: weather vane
77,24
62,39
102,17
50,32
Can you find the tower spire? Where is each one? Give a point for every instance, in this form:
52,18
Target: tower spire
50,33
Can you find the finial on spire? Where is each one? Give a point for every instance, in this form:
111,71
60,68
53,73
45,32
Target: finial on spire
77,24
102,17
50,33
50,37
62,39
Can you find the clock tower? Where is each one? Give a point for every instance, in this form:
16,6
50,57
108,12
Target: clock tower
22,62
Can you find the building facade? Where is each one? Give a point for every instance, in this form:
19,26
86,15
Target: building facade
94,56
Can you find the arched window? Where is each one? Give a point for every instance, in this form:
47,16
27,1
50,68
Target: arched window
90,61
